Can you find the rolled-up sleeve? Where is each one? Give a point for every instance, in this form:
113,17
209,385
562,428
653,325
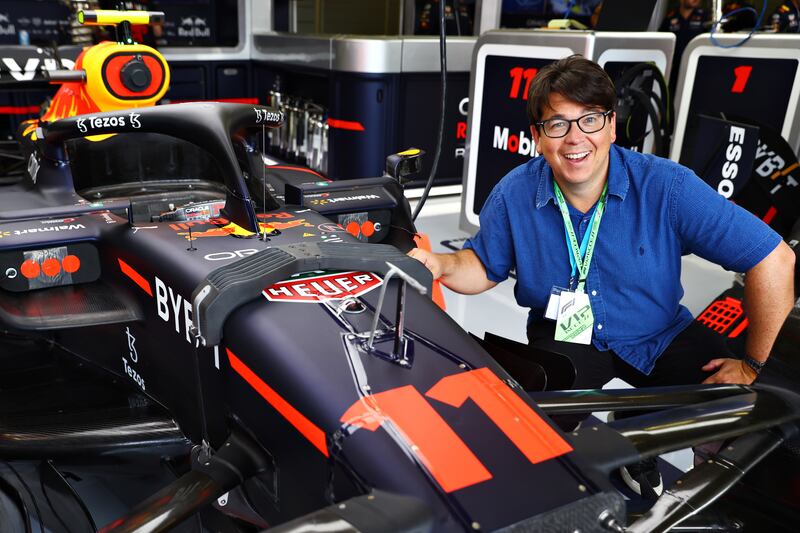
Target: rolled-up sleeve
493,243
715,228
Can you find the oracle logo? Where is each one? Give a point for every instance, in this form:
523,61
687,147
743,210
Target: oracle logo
225,256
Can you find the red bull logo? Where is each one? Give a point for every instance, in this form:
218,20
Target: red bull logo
229,229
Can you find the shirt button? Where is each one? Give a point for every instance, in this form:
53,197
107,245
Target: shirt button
594,293
599,326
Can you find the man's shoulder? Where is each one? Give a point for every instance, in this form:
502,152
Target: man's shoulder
631,157
648,167
522,176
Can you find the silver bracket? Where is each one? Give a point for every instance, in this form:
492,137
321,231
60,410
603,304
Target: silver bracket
398,351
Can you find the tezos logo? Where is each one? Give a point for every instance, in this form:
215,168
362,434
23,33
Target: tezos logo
521,144
134,356
264,116
87,123
132,346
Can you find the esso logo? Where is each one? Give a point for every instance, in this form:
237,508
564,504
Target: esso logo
730,168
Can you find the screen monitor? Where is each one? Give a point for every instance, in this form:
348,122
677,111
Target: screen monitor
503,138
34,22
754,89
524,13
624,15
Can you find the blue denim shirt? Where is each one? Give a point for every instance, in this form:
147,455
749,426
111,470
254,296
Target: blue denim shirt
656,212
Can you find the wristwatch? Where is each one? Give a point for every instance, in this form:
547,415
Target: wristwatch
757,366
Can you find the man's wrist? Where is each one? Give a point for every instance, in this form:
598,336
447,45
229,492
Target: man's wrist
754,364
448,263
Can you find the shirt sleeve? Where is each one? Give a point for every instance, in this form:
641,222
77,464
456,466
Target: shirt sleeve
493,244
715,228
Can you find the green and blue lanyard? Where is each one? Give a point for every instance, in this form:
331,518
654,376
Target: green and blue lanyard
580,267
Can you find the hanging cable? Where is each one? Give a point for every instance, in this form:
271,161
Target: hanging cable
438,153
716,24
636,95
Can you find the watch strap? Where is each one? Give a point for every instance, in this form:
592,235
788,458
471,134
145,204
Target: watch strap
757,366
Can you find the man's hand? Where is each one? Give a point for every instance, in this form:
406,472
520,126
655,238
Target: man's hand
429,259
731,371
461,271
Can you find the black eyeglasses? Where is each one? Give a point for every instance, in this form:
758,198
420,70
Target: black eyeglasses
555,128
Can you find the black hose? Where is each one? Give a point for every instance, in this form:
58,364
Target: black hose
660,114
658,140
438,153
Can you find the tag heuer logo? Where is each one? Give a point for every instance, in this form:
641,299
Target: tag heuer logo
321,288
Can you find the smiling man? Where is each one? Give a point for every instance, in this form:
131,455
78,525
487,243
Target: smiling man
596,234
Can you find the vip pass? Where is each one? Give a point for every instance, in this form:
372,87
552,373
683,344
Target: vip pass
575,318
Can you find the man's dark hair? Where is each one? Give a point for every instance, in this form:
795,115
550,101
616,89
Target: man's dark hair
575,78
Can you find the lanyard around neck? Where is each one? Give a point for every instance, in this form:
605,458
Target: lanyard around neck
586,249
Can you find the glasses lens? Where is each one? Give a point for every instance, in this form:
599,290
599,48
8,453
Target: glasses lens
556,127
592,122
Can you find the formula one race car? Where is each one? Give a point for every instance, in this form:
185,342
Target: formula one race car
194,349
193,342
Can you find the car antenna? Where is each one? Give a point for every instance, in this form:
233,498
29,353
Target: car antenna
263,178
123,30
191,247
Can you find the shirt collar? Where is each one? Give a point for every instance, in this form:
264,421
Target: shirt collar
618,179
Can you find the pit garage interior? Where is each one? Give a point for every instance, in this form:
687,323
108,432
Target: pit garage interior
229,411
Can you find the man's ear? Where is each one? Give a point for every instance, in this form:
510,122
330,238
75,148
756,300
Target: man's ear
613,119
535,135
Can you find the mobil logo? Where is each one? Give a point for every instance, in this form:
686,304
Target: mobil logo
520,144
320,288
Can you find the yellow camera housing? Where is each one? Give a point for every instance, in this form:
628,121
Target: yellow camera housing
121,76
